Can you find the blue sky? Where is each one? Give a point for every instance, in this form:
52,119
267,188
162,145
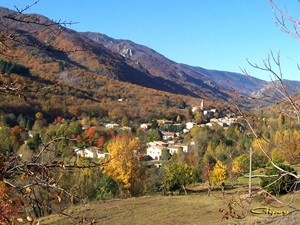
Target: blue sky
213,34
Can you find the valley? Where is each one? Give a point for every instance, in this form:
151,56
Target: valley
101,130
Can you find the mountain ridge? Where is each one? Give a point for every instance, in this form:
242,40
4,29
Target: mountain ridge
95,57
172,70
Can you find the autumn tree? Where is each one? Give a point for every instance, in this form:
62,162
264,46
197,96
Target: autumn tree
125,121
100,142
288,146
177,176
123,164
219,173
90,135
240,164
281,120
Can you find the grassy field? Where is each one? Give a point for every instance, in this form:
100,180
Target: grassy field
195,208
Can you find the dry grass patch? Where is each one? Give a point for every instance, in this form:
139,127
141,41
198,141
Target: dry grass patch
175,210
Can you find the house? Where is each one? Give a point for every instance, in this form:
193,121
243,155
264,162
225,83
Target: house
174,148
154,149
84,153
168,135
91,152
185,131
104,155
157,143
146,126
210,113
85,127
190,125
167,122
155,152
214,120
126,128
112,125
223,124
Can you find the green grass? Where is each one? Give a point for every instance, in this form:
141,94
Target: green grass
176,210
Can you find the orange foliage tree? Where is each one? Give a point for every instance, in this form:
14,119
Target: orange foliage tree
90,134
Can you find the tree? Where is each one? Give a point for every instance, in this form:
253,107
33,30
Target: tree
153,135
168,103
281,120
154,124
165,154
100,142
123,165
182,105
240,164
107,188
90,135
7,143
178,175
34,142
18,133
125,121
178,119
199,117
219,173
288,145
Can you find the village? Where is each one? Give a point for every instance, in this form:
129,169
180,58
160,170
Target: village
171,141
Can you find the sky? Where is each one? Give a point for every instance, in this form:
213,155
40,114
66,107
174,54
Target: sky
213,34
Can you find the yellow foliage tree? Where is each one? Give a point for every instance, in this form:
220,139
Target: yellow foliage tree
288,145
219,173
240,164
260,145
123,165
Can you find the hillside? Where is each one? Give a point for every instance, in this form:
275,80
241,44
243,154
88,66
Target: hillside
88,77
159,65
79,52
91,69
